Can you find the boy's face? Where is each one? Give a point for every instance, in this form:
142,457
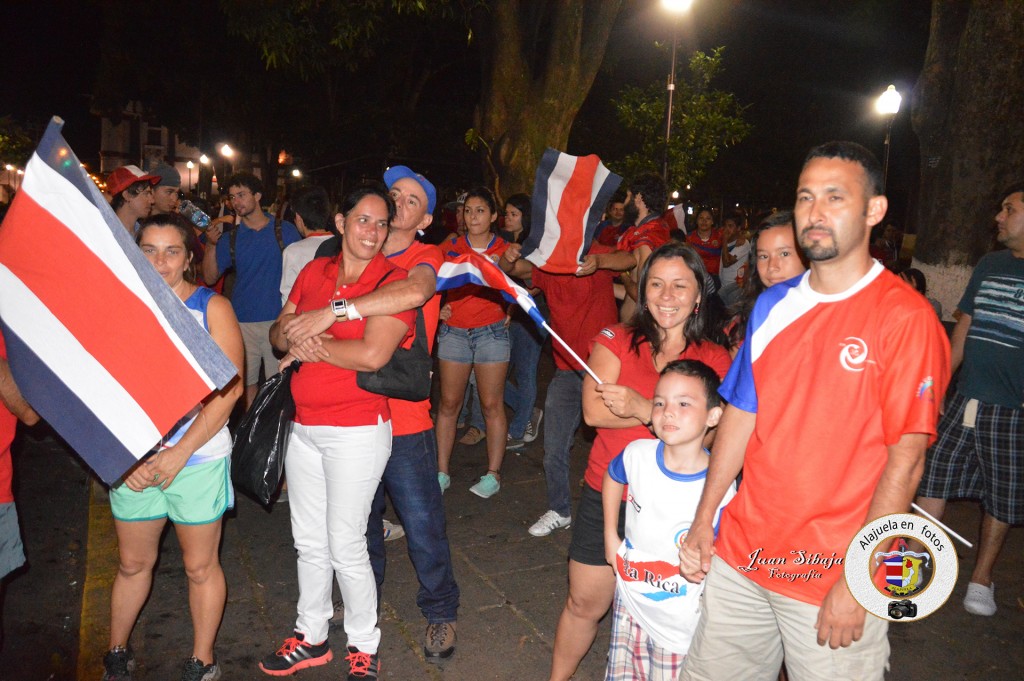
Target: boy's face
681,411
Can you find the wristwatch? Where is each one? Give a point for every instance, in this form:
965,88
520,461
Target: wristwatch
340,308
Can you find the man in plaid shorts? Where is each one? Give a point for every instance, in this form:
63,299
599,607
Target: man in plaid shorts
980,450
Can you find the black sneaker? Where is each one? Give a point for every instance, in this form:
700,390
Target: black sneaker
118,664
195,670
439,641
362,666
296,654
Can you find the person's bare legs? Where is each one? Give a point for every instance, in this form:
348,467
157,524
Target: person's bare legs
207,589
591,590
993,535
138,544
490,384
454,379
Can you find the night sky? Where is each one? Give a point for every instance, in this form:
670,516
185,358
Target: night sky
809,71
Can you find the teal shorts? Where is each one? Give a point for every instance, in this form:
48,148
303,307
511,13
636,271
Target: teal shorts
199,495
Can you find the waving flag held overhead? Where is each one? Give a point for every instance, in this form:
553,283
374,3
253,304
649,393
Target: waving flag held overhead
473,268
98,343
569,196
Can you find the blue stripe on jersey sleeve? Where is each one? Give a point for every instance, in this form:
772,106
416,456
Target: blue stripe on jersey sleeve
617,470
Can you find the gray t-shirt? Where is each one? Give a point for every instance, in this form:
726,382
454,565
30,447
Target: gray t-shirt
993,366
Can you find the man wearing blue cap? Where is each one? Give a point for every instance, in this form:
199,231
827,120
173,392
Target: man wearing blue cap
410,478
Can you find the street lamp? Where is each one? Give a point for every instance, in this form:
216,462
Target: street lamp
888,104
190,165
204,159
226,151
296,173
676,7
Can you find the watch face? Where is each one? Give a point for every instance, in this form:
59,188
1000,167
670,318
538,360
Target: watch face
340,307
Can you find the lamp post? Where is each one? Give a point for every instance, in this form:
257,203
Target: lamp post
888,104
190,165
677,8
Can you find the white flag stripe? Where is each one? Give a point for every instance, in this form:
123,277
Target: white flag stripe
63,200
84,376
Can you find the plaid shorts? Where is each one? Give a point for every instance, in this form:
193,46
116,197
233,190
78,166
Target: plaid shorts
984,462
634,656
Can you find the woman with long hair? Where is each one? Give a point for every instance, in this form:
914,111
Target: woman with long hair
670,323
340,442
185,479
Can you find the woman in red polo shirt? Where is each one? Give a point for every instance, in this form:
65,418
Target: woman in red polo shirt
474,337
340,441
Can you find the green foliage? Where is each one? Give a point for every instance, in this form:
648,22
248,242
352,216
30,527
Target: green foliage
704,121
15,144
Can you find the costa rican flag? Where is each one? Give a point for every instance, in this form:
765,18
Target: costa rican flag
99,345
894,570
473,268
569,196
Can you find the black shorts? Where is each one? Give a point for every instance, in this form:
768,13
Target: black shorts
587,545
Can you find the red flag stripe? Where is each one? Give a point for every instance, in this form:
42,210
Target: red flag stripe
575,202
28,229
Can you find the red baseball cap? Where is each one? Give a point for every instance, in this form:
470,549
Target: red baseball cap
125,176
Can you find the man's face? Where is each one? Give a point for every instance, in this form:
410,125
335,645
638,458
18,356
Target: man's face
410,205
630,211
140,204
1010,223
165,199
729,229
616,211
833,213
705,222
243,201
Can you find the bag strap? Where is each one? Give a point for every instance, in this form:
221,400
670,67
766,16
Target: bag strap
233,239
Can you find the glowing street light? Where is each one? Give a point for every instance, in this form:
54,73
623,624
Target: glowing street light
204,159
296,173
226,151
888,104
677,8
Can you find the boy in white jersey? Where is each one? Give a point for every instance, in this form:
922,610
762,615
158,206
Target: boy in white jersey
656,610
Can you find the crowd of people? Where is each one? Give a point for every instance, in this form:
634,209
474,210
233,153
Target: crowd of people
757,390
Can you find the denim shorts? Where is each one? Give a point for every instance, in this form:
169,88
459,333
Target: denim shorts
482,345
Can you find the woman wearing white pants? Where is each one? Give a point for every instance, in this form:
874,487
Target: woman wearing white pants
341,439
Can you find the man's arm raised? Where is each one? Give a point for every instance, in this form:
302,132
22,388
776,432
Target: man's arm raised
391,298
734,431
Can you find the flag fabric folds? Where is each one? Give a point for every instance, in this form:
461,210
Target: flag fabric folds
98,343
569,195
473,268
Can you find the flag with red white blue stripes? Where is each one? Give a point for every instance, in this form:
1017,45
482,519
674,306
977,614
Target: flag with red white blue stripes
473,268
97,342
569,195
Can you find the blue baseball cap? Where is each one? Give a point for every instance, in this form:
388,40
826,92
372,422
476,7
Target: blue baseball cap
396,173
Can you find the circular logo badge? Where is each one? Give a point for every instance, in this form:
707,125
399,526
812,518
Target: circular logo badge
901,567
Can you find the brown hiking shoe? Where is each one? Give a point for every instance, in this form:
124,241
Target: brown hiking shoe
439,641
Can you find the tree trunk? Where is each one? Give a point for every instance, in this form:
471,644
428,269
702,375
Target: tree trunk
530,99
967,109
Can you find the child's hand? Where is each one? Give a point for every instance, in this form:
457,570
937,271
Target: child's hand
695,553
611,549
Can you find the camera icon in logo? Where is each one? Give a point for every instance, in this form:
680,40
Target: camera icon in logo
900,609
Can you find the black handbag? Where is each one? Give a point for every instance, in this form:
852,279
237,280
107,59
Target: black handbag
406,376
257,455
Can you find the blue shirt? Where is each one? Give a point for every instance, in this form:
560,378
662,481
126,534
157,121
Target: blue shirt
256,297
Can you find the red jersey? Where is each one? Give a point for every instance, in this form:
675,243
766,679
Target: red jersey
834,380
414,417
580,307
638,373
326,395
8,426
475,306
710,249
651,233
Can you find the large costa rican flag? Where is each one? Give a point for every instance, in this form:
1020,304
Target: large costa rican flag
473,268
569,195
99,345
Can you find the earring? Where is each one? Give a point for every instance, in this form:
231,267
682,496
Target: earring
696,309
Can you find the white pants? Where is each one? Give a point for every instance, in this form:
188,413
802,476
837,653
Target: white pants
333,473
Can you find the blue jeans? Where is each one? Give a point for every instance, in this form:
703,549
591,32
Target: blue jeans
526,340
563,411
411,482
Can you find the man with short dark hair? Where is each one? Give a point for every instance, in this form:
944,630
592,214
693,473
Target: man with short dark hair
313,220
832,402
253,248
165,192
980,451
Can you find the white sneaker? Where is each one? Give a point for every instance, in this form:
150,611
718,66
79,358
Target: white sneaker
533,426
980,600
392,531
548,522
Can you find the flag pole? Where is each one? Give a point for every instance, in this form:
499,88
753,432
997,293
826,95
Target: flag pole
573,353
935,520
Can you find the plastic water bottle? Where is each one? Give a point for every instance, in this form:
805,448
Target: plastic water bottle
193,213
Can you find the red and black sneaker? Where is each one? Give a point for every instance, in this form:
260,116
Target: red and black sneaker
296,654
362,666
